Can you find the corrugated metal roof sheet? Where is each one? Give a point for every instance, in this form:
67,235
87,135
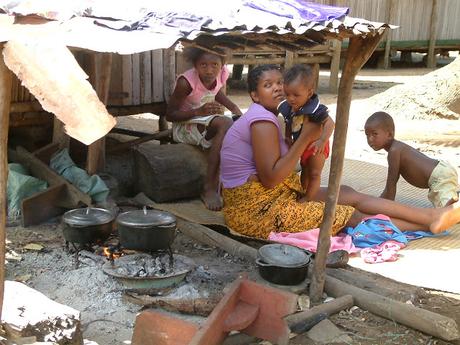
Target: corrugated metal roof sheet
140,25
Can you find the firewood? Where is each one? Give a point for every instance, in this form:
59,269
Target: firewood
193,306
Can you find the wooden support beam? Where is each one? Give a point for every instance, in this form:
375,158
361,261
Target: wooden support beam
431,61
101,66
5,99
43,205
389,18
169,78
162,135
335,66
359,51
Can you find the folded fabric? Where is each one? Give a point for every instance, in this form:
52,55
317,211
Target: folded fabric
309,240
387,251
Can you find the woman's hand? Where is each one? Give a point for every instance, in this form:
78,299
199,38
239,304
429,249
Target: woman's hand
210,108
317,146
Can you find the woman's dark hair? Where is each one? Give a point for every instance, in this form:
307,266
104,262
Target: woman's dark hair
192,54
255,74
298,71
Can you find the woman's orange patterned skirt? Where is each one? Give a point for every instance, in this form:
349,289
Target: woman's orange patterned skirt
255,211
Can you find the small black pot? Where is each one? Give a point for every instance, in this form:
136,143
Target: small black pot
87,225
146,230
282,275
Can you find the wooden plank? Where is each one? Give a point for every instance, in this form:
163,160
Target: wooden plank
46,152
359,51
44,205
157,76
289,59
5,99
60,137
96,151
169,72
136,81
43,172
116,93
146,77
431,61
127,79
335,66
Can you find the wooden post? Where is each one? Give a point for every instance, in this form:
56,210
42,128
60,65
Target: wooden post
390,15
5,99
100,71
335,65
431,61
289,59
169,80
359,51
59,135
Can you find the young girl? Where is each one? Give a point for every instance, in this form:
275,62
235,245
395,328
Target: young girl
195,108
301,102
261,190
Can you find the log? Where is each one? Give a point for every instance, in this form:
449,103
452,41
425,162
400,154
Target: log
210,237
420,319
169,172
329,308
192,306
29,313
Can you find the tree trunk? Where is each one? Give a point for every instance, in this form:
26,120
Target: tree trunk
434,95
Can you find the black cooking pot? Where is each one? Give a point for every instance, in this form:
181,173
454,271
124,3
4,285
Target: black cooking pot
87,225
283,264
146,230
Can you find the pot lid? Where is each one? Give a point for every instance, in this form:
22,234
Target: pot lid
146,218
88,216
283,255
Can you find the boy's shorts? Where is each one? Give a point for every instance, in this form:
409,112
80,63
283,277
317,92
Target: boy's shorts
309,152
443,184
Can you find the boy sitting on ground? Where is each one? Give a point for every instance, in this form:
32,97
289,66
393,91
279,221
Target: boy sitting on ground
417,169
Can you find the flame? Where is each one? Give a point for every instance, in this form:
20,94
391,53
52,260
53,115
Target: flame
111,254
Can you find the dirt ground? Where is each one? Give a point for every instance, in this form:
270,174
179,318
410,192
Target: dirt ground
107,318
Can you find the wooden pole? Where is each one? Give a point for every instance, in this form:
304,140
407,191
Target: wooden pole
5,99
390,16
100,72
359,51
335,65
431,61
420,319
169,79
289,59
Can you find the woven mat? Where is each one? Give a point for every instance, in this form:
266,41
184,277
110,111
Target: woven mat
427,262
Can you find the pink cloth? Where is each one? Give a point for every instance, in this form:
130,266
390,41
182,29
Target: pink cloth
309,240
387,251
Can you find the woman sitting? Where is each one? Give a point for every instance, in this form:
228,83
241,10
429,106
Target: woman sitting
263,194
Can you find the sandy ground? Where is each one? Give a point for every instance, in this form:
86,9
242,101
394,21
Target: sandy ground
108,320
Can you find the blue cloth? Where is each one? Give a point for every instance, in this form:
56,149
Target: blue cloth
378,229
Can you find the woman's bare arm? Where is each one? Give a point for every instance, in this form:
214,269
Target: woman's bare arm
272,169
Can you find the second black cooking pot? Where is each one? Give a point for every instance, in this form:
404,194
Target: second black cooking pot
146,230
283,264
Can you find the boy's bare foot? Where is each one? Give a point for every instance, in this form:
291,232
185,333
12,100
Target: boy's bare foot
447,217
212,200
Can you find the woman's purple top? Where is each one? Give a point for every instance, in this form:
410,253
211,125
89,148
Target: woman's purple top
236,156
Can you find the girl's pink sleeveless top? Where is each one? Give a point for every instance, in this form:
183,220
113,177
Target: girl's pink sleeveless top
194,99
